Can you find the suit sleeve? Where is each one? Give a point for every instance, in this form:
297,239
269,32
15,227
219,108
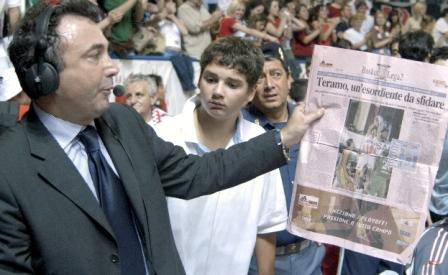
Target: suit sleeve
15,255
189,176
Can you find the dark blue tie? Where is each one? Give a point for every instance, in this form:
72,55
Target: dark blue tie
115,204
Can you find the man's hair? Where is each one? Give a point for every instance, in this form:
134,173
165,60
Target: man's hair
257,18
150,82
235,53
439,54
360,4
416,45
157,78
22,48
273,51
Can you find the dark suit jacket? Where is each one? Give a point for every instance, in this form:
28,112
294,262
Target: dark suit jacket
50,222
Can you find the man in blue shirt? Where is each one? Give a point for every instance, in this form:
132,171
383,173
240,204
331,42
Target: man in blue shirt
271,110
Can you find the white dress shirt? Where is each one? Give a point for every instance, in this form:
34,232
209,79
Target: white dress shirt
216,234
65,133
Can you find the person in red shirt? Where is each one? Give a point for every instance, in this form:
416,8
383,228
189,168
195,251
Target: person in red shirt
304,40
233,24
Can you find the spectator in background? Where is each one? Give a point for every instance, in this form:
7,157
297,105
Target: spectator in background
394,22
11,8
440,30
123,15
14,103
141,94
216,234
271,110
172,29
416,46
414,22
335,8
380,37
198,22
304,40
161,93
258,22
355,35
319,19
278,21
233,24
438,205
363,9
253,7
344,23
428,258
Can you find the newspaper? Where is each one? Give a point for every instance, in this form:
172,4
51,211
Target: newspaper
366,169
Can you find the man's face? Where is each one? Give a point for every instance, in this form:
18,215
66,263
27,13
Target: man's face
223,92
274,8
346,11
137,96
86,80
273,87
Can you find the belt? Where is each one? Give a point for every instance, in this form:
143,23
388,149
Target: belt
292,248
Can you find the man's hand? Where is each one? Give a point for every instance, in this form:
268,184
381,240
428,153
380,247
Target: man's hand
298,124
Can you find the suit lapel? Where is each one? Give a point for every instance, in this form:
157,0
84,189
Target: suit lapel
124,167
53,165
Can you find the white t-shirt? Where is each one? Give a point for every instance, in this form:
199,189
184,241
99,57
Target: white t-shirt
354,37
440,28
216,234
171,33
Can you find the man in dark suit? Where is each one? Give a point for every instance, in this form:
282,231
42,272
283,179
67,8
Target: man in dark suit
56,189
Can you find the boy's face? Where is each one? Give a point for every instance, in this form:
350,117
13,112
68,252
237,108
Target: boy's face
223,91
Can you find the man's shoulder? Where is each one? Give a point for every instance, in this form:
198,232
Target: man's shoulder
120,112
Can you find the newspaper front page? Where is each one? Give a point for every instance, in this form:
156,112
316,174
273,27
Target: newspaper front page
366,169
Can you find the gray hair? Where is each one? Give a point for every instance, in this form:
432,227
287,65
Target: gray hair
152,86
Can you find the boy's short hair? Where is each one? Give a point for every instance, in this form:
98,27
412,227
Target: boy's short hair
235,53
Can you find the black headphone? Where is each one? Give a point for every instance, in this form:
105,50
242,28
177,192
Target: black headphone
41,78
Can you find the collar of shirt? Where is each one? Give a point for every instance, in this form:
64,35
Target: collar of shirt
191,139
63,131
256,116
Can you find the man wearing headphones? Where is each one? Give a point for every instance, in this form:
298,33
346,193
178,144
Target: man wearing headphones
83,182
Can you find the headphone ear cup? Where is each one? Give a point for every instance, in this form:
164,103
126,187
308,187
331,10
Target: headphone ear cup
41,79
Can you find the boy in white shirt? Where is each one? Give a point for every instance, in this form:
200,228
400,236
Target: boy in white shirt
216,234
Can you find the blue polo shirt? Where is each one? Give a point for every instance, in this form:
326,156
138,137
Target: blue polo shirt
287,171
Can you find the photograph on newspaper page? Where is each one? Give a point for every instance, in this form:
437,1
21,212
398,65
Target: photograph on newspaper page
366,169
